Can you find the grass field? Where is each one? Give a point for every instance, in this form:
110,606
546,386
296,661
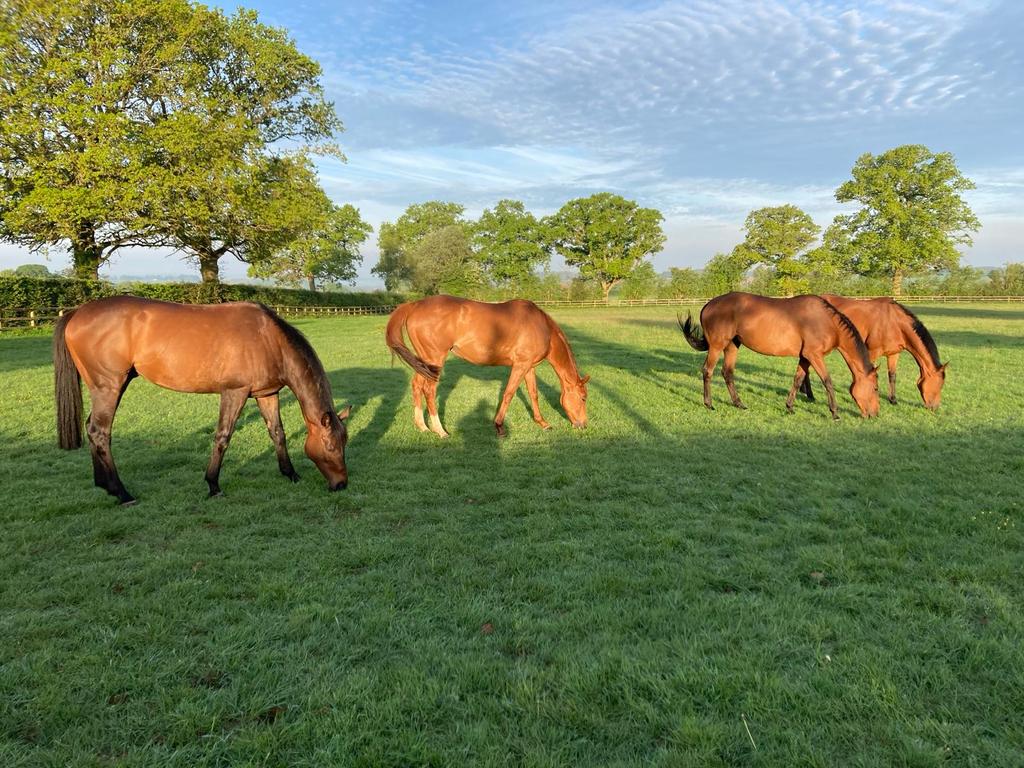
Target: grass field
669,587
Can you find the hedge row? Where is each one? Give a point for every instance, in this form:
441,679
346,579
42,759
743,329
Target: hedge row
40,293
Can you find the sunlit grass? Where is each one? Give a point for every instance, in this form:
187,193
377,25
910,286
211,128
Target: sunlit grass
625,595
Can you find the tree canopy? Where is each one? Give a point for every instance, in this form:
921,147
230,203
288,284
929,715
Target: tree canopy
122,119
327,252
396,240
442,262
912,215
605,236
779,237
510,243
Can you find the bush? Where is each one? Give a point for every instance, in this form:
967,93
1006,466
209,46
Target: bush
39,293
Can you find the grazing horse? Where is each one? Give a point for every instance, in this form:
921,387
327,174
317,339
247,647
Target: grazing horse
239,350
805,327
515,333
888,328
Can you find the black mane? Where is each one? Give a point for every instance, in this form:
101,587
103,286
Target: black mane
304,349
851,330
922,334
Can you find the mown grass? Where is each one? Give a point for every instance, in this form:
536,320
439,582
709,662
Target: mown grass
644,592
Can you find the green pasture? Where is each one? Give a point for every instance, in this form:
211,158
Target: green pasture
671,587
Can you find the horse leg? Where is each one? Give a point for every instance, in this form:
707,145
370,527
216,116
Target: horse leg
417,402
514,380
430,389
531,387
806,387
818,363
890,364
709,368
799,382
270,408
104,405
728,368
231,403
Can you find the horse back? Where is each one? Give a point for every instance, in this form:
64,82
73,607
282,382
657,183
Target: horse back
482,332
185,347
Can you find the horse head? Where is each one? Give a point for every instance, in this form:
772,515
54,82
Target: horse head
930,386
325,446
574,401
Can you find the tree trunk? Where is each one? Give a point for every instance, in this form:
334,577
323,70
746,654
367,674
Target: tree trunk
312,282
86,254
606,288
209,267
897,282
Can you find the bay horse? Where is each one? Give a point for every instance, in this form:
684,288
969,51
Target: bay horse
888,328
515,333
239,350
805,327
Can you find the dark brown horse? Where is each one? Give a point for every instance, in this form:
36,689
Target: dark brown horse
888,328
515,333
805,327
237,350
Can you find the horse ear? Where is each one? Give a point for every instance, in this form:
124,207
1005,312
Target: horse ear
585,379
344,412
943,366
325,419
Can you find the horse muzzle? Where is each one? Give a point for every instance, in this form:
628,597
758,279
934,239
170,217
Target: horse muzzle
341,485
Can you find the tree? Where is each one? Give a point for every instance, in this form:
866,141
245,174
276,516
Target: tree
328,251
605,236
32,270
442,262
116,111
683,283
77,84
642,283
1008,280
226,186
395,240
510,243
779,237
912,215
723,273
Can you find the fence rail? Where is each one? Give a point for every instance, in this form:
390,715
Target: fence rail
35,317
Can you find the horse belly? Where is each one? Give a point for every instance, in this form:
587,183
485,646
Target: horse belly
781,342
199,365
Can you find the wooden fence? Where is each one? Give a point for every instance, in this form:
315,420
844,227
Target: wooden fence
36,317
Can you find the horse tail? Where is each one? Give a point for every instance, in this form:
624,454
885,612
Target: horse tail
67,390
396,342
693,336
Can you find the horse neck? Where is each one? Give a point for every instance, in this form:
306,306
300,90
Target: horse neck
308,383
560,356
851,352
915,346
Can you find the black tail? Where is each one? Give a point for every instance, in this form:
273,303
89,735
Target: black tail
67,390
695,337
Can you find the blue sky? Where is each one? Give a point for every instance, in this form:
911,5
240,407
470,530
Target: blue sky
704,110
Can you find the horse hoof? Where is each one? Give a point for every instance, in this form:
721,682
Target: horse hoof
835,417
741,406
790,411
215,494
129,502
545,426
500,429
293,477
892,400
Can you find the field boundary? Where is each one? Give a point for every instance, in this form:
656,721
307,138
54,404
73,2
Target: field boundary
35,317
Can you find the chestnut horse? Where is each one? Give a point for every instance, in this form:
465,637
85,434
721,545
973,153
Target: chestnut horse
805,327
515,333
888,328
239,350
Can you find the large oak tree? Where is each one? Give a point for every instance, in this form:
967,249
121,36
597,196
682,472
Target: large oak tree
605,236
